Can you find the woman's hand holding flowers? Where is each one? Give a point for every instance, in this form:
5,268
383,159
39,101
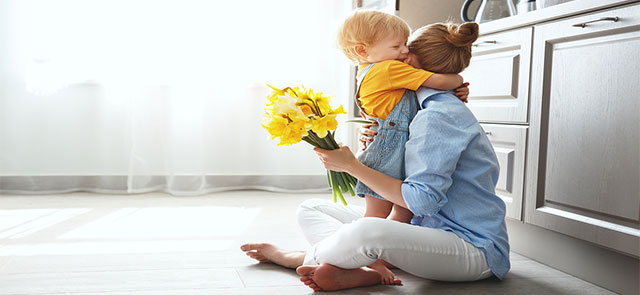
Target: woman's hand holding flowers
340,160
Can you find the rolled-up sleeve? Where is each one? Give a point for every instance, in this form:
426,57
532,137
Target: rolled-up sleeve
432,153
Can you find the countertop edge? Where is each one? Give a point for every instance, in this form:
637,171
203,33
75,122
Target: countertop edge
550,13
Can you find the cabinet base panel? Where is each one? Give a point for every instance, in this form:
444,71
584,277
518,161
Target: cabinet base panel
611,270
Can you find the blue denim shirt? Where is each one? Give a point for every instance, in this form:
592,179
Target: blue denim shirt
452,171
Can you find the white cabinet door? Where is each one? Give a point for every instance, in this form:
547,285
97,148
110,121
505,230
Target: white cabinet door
583,174
509,144
499,76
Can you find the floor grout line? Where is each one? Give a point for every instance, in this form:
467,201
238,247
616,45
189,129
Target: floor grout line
240,277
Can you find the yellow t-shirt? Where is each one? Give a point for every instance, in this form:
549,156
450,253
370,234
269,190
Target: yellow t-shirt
384,85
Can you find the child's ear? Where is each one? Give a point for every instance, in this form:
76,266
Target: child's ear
361,50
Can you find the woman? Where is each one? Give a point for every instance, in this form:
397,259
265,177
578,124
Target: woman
458,231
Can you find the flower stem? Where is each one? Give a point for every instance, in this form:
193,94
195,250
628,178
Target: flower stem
342,184
345,175
329,179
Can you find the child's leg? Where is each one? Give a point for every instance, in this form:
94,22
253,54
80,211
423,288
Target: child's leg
380,208
377,207
401,214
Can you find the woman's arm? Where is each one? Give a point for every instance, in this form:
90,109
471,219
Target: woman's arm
342,159
443,81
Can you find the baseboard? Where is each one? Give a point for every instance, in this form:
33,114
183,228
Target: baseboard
617,272
173,184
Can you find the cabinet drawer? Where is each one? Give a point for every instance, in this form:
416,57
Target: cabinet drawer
509,144
499,76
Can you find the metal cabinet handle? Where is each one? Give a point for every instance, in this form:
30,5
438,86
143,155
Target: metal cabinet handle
485,42
603,19
487,132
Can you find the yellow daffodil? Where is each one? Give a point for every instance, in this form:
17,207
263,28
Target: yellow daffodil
322,125
294,114
306,109
277,126
339,110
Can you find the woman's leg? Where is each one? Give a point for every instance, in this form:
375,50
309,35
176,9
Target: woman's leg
319,219
424,252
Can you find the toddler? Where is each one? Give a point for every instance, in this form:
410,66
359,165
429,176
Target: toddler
377,43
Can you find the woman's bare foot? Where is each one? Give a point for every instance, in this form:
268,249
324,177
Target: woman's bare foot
267,253
327,277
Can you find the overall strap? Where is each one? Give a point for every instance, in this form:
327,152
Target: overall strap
359,80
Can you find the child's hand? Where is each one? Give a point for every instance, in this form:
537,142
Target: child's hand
366,135
462,92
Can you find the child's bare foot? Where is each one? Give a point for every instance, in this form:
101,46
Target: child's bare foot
267,253
327,277
387,277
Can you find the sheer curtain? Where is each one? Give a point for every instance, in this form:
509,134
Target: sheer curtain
135,96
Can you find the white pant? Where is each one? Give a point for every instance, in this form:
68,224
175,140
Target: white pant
341,236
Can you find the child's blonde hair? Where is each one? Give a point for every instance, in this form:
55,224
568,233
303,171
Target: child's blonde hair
444,47
367,27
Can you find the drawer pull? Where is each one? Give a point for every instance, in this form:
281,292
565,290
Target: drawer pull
487,132
485,42
584,24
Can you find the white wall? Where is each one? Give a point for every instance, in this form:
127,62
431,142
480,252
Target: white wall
85,129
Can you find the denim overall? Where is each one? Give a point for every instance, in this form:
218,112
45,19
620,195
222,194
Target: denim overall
386,152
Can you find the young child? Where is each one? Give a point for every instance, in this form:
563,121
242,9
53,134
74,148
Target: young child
376,41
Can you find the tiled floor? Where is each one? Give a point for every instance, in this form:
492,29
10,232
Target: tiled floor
159,244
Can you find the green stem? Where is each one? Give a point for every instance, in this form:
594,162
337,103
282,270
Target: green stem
353,180
341,198
333,141
311,142
328,179
330,142
341,183
334,188
349,184
338,179
336,185
321,143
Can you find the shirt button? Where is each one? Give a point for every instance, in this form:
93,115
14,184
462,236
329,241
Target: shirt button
392,124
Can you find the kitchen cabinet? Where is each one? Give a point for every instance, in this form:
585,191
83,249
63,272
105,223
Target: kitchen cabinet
564,88
583,175
499,81
499,76
509,144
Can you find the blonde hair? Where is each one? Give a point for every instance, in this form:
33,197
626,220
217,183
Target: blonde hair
444,47
368,27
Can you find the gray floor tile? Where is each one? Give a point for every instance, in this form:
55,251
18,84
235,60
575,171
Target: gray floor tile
532,269
127,281
124,262
267,275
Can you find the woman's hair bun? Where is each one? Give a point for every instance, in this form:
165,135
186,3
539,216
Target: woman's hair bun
462,35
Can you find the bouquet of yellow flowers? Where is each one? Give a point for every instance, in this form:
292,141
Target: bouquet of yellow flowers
296,114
